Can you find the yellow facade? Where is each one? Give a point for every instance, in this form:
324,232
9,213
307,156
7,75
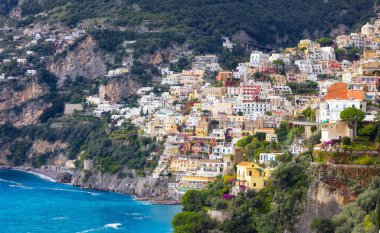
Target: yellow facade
195,182
201,129
183,165
252,175
278,79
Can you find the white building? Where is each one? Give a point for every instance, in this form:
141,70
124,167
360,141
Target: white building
338,98
267,157
258,58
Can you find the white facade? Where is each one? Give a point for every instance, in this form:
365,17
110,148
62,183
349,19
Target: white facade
330,109
258,58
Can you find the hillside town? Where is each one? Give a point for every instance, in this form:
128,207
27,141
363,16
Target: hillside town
201,122
204,117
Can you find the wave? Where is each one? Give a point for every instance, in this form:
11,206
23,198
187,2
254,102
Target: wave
72,190
134,214
141,218
10,181
109,225
59,218
113,225
20,186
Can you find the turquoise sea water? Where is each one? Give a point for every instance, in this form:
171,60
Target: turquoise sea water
29,203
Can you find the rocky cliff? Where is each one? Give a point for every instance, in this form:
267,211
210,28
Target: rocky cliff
117,88
27,114
146,187
322,201
83,60
17,93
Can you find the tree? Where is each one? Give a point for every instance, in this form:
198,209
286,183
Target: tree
190,222
282,132
192,200
352,116
280,63
309,114
325,41
368,131
322,225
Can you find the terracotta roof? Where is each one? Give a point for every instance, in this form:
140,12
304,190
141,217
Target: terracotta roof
340,91
245,164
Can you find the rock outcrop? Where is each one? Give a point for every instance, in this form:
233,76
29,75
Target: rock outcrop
146,187
16,94
83,60
322,201
28,114
117,88
41,146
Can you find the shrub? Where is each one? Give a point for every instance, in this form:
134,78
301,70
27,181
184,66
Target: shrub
346,141
322,225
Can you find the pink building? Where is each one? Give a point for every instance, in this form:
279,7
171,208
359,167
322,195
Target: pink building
250,92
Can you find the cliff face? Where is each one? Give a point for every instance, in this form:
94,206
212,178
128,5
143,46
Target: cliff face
28,114
322,201
11,97
146,187
117,88
81,61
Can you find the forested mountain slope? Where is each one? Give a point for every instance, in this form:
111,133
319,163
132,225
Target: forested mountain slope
268,23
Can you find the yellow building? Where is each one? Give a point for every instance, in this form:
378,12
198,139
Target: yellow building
278,79
170,128
251,176
195,182
265,130
183,164
201,129
308,44
214,91
198,106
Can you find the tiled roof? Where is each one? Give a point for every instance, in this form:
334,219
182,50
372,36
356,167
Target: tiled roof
340,91
244,164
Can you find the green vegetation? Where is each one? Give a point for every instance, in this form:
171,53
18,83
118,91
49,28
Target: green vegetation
361,215
250,211
81,134
308,87
202,23
325,41
6,6
352,116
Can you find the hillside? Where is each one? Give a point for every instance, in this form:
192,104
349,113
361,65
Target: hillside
263,23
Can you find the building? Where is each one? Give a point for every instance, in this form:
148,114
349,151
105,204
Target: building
250,176
258,58
267,157
338,98
195,182
250,92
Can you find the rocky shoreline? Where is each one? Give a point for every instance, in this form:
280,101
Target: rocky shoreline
144,189
147,189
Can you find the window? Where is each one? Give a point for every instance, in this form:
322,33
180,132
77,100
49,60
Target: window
254,184
250,173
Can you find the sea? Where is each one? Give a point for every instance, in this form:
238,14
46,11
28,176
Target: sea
33,203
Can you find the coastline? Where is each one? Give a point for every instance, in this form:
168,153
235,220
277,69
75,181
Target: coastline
42,173
52,176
